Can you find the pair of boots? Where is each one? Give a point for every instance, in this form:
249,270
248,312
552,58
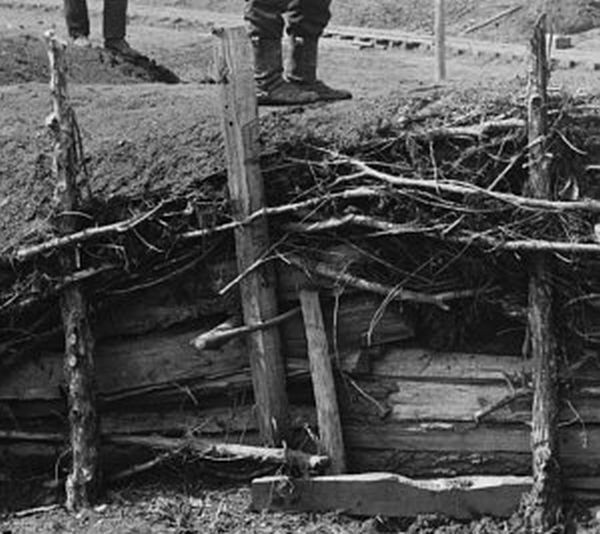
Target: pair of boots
298,84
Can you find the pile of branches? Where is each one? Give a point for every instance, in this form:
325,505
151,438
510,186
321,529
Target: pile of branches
434,212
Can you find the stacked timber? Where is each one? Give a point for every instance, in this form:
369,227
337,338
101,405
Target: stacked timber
406,407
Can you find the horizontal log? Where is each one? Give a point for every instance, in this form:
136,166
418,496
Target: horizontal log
576,442
350,324
221,423
434,464
205,422
411,400
415,363
419,385
126,365
164,360
382,494
195,297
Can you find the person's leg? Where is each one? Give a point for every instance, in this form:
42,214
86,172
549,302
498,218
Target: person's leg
265,18
306,21
114,20
115,29
308,18
265,27
76,14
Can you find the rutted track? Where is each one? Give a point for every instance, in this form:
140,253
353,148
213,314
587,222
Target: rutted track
389,39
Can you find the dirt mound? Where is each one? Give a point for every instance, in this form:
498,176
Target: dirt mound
23,59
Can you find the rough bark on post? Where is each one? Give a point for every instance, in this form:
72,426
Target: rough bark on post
545,500
321,372
246,189
440,40
79,344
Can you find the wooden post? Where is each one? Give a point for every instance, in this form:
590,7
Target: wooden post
246,189
81,482
440,40
545,499
328,416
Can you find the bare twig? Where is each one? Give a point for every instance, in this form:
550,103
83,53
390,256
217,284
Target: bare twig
360,220
25,253
143,467
327,271
219,335
492,20
488,410
359,192
35,511
466,189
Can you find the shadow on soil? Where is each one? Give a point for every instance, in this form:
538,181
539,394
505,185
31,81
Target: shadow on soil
23,59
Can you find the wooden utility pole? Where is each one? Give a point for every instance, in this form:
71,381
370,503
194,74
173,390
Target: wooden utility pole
321,372
234,63
81,482
440,40
545,503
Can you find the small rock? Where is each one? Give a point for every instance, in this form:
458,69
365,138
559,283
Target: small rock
595,513
195,502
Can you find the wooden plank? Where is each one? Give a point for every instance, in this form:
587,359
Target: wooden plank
435,464
410,400
448,402
321,372
218,421
128,364
383,494
426,365
575,441
259,301
416,363
194,300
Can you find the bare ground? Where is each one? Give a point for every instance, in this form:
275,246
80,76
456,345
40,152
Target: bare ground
151,139
199,508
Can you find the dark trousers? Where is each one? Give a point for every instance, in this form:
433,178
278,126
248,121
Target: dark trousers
305,18
114,20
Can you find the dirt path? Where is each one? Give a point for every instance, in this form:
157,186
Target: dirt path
179,37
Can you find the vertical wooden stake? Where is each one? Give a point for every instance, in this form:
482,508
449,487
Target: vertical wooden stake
246,189
328,416
440,40
545,499
79,343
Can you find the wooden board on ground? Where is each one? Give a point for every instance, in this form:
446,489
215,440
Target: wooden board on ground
390,495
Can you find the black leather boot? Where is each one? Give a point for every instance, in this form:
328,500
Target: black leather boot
301,68
272,89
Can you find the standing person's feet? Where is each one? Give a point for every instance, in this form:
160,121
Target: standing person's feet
81,41
122,48
301,69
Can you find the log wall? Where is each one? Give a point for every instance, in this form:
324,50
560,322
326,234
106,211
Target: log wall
408,409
